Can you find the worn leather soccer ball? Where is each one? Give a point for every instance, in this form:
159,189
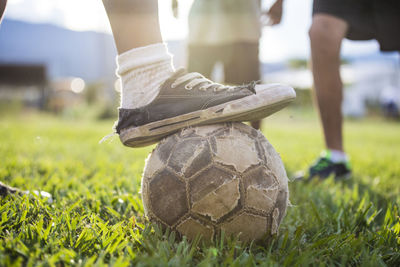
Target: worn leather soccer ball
223,177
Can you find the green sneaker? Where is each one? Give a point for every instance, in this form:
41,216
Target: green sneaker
324,167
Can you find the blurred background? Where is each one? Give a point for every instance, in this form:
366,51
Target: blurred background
59,56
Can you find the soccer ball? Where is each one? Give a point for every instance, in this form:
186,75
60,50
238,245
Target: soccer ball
222,177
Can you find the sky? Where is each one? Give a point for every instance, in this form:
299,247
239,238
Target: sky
287,40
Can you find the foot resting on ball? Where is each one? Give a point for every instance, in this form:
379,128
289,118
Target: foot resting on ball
189,99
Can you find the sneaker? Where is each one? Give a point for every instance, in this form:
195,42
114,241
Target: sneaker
324,167
189,99
6,190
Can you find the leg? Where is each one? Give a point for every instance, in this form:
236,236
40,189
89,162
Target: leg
241,63
134,23
3,4
326,35
202,58
143,62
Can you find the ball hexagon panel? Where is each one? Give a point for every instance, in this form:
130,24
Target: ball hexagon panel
165,147
248,226
260,198
191,228
194,155
214,188
261,189
260,176
223,200
168,199
237,150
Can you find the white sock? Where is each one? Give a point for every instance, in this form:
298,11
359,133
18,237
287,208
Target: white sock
337,156
142,70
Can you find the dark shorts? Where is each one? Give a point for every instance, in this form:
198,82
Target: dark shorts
240,60
367,19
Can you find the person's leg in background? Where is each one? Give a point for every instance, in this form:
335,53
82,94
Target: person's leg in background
202,58
326,35
242,66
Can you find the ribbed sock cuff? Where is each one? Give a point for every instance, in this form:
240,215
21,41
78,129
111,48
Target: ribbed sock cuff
142,56
335,156
142,72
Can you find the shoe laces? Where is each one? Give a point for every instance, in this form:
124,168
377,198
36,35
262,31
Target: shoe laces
194,79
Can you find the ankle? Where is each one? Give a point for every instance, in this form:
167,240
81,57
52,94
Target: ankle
335,156
142,71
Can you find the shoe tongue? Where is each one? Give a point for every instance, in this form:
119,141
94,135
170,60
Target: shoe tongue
179,72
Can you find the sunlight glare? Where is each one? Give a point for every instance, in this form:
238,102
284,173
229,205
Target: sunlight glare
77,85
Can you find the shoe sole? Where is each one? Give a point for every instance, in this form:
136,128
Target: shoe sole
265,102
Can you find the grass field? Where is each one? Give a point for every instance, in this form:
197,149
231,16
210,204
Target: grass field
96,200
